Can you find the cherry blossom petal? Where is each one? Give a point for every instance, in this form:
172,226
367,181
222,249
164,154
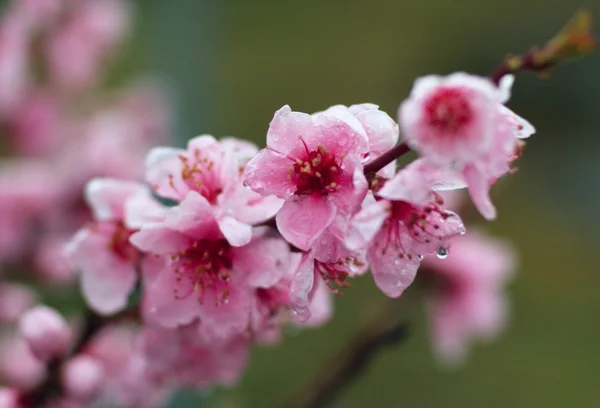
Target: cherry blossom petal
367,223
194,216
286,128
107,197
223,319
106,279
169,302
302,219
479,188
302,287
263,262
267,174
237,233
155,238
163,172
392,274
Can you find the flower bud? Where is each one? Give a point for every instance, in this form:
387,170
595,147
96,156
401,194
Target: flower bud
46,332
9,398
82,376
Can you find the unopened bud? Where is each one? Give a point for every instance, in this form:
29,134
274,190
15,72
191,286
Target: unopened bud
46,332
82,376
9,398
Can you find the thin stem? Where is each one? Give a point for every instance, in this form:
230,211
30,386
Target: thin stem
386,158
525,63
381,332
573,41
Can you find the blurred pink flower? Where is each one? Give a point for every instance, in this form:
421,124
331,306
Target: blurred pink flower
101,252
459,122
128,381
467,301
28,189
14,61
182,358
78,48
37,125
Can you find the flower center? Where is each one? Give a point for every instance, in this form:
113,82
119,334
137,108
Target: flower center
335,275
119,243
205,265
448,110
275,298
200,175
421,225
318,172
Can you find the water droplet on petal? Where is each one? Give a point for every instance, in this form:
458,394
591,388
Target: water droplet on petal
463,232
246,184
442,253
420,257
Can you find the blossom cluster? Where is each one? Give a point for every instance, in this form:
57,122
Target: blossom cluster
192,256
253,240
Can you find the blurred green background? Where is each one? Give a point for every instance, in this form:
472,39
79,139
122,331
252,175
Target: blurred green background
231,64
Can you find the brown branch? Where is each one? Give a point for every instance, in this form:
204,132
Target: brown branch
51,387
383,331
386,158
574,40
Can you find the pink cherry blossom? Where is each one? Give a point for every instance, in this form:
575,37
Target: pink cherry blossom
467,302
46,333
460,122
102,252
451,119
405,221
314,164
204,274
213,169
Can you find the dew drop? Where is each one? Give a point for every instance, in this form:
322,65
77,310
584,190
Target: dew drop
246,184
420,257
442,253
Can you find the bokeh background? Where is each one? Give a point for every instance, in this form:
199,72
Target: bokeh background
231,63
